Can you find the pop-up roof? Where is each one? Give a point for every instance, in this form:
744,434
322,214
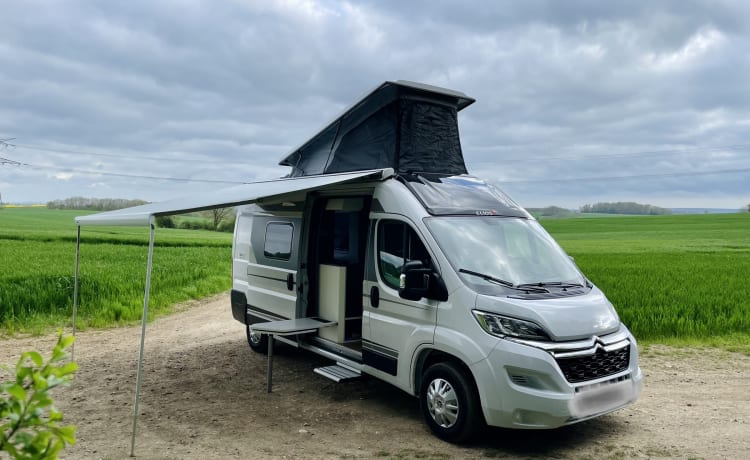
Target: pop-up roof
407,126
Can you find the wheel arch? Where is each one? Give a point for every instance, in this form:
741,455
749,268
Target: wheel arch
429,356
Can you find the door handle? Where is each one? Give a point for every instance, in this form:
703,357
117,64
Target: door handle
290,281
374,297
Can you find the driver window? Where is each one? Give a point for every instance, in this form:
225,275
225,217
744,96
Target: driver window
398,243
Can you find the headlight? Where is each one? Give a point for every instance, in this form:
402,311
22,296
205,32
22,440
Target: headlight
503,326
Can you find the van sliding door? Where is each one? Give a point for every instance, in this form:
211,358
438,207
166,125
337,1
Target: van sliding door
272,272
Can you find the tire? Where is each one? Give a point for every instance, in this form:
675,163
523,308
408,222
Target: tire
450,403
258,342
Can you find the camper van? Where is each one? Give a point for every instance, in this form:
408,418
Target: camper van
383,254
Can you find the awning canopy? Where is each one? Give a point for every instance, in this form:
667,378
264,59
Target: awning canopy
233,196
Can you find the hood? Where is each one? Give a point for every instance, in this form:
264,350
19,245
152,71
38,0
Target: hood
568,318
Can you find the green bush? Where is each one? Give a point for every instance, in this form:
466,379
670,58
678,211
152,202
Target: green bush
226,227
165,222
196,225
29,426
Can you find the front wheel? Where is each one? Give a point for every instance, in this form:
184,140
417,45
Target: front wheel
258,342
450,403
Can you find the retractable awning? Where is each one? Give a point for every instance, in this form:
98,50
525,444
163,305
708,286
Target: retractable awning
234,196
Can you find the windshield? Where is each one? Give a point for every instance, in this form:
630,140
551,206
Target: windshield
515,250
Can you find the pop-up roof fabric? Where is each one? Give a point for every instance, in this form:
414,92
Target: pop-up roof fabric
410,127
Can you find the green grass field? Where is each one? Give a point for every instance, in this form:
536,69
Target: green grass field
37,256
671,278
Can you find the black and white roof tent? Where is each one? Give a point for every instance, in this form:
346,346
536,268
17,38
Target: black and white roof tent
407,126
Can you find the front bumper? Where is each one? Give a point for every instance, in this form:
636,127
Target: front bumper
522,386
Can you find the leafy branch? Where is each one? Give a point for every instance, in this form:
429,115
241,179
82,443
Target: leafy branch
29,422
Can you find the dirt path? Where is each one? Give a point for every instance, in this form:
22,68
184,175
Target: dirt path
204,397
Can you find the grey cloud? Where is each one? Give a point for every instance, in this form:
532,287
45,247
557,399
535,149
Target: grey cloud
239,84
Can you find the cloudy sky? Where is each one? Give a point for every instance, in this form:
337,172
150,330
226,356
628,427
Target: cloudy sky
577,101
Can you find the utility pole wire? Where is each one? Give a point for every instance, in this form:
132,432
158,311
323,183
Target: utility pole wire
569,157
126,156
217,181
4,161
648,153
5,143
636,176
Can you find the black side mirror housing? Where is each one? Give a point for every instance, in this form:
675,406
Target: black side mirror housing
417,282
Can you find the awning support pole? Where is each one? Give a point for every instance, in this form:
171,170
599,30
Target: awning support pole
75,294
143,335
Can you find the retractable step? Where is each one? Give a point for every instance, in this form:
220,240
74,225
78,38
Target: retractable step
338,372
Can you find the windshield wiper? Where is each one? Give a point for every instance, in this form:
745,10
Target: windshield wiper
502,282
560,284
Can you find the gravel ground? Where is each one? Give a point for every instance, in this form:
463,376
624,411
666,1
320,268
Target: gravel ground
204,397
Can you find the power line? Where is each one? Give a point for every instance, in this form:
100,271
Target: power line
644,153
5,143
112,155
636,176
113,174
637,154
6,161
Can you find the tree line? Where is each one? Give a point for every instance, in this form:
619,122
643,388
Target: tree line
93,204
624,208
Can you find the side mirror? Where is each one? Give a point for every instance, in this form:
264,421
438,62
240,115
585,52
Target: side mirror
417,282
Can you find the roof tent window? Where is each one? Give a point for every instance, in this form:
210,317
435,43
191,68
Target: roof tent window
278,240
312,159
369,145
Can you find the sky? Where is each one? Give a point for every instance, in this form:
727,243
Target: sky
578,102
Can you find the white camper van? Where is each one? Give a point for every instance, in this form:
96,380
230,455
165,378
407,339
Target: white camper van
382,253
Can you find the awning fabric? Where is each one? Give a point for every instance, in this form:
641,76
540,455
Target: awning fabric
233,196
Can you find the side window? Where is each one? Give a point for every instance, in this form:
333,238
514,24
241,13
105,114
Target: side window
278,243
397,244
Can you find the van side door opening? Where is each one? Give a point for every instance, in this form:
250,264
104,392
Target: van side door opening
335,266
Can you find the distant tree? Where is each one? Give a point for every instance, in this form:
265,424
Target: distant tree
217,215
551,211
93,204
624,208
747,209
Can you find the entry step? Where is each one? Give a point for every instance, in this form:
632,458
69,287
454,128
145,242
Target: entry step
338,373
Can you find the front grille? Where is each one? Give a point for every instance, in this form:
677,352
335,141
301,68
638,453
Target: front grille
600,364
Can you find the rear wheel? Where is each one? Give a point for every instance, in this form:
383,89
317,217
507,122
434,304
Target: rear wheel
450,403
258,342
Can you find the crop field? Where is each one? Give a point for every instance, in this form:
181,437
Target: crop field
37,260
682,278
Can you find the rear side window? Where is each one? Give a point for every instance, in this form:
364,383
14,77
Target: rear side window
278,243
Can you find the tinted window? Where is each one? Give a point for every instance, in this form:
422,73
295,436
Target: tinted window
397,244
278,240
